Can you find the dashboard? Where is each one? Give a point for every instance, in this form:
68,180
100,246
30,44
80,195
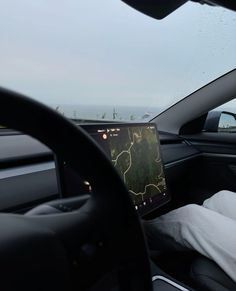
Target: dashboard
29,170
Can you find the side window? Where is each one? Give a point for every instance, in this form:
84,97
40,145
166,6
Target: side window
222,118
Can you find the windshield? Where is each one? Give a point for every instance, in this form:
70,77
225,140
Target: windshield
103,60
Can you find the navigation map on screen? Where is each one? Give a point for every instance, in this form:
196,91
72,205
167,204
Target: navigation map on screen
135,155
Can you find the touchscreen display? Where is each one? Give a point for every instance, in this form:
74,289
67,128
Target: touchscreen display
134,150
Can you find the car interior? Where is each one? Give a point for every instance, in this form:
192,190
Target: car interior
68,221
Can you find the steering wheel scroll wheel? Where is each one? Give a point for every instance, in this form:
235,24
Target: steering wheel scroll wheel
39,252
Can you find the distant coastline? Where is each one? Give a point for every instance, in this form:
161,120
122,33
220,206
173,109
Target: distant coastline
108,112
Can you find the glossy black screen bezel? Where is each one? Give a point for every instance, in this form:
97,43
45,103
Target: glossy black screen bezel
161,198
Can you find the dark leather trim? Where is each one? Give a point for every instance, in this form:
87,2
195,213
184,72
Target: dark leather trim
209,276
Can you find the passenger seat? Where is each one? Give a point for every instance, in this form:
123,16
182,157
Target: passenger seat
209,276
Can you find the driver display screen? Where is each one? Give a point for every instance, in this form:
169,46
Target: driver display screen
134,150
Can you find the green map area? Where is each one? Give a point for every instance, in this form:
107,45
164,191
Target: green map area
135,155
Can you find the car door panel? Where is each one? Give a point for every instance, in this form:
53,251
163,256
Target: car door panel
217,163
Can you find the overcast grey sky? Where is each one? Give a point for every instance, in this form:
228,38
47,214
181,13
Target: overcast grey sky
104,52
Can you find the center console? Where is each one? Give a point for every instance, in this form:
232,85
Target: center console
163,282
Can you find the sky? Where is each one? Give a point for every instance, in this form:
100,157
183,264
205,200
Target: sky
104,52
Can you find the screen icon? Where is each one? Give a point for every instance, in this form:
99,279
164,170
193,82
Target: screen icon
104,136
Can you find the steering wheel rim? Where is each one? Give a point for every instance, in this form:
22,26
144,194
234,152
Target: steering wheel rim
109,208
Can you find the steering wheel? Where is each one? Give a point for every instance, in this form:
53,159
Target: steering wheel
42,252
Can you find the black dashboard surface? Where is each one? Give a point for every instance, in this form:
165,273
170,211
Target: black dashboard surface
27,169
19,147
